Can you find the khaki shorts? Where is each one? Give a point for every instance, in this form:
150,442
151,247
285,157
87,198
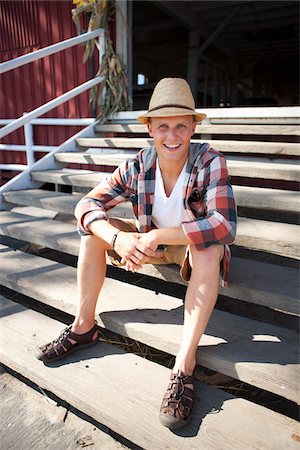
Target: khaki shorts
174,254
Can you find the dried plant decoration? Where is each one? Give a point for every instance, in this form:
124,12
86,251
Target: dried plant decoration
111,94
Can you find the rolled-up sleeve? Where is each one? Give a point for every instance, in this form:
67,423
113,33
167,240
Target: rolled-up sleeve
109,193
218,223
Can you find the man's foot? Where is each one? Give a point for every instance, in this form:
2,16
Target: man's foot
67,342
177,404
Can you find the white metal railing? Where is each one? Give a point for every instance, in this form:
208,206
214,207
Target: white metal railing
29,146
29,119
50,50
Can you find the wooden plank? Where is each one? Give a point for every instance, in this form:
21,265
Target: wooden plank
248,197
44,424
55,201
254,352
251,281
68,177
278,130
272,148
132,391
267,199
273,237
258,112
257,168
268,170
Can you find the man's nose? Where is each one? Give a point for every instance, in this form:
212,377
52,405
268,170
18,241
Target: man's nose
172,133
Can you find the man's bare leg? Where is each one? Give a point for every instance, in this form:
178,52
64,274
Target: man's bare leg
199,303
91,271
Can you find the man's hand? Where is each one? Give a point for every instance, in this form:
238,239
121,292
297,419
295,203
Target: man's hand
133,251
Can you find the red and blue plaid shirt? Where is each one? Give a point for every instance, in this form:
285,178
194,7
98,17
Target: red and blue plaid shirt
207,196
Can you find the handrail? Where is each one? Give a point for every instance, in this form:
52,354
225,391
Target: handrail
50,50
43,109
48,106
55,121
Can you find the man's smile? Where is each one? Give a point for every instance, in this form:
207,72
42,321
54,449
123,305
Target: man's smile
172,146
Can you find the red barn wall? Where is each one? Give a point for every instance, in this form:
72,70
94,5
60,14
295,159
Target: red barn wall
27,26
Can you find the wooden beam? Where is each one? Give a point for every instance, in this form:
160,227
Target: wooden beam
184,15
193,59
213,36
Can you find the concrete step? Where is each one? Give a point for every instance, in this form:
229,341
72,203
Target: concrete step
120,390
258,168
257,353
267,130
225,146
272,237
246,196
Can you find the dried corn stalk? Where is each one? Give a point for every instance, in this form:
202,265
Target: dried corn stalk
111,94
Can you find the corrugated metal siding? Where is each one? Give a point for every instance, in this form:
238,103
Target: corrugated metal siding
27,26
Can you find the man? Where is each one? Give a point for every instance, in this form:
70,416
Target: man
183,200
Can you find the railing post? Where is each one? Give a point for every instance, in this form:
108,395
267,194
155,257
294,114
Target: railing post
101,46
28,132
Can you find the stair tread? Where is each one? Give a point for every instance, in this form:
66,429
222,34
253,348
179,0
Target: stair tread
132,392
280,130
248,197
271,148
253,281
239,168
260,354
274,237
70,177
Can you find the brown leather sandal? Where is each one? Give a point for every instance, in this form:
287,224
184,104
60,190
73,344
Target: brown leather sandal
62,346
177,404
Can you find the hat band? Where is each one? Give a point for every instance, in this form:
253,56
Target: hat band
170,106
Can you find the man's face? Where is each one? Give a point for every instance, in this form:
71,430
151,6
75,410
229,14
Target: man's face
172,136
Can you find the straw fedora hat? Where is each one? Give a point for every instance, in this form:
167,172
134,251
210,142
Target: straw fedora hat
171,97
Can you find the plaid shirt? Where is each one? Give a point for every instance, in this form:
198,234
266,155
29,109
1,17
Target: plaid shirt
207,196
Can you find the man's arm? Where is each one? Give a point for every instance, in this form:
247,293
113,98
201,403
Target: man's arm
218,226
109,193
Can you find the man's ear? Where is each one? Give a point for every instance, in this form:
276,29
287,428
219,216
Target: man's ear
149,126
194,127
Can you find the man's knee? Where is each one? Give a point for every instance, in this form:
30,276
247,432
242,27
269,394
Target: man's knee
208,256
93,242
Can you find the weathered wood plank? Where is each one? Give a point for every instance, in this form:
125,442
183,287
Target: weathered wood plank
278,130
257,112
79,178
42,424
246,196
272,148
257,353
132,392
251,281
272,237
240,168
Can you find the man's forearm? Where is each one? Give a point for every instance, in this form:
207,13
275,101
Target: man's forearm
170,236
103,229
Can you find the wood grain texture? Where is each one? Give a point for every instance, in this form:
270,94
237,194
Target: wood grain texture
270,170
274,237
124,392
279,130
246,196
224,146
257,353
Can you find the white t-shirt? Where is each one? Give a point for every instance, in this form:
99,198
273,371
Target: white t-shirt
168,211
